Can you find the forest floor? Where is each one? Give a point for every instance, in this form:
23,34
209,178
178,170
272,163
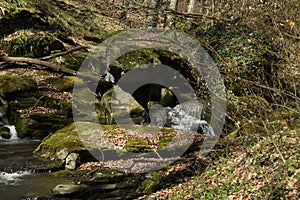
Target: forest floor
261,164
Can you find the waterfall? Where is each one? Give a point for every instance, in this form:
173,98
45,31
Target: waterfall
186,116
12,128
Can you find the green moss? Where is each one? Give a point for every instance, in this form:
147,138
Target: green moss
164,141
152,183
66,137
137,58
39,125
10,86
5,132
167,130
74,61
137,145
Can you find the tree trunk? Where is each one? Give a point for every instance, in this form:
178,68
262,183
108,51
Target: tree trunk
191,7
173,6
152,19
125,3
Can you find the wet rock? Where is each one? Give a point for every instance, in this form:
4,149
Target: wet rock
71,161
5,132
68,189
167,97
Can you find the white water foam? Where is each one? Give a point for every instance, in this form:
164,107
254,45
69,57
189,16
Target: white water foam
13,133
187,116
12,178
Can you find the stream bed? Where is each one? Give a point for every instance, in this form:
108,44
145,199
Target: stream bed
19,171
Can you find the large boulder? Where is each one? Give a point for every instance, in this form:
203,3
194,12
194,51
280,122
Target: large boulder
122,106
65,146
12,85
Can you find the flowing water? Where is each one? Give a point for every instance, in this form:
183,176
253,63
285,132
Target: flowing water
20,176
20,172
186,116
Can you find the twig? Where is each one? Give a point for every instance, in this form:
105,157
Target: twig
281,156
291,36
195,15
63,53
275,104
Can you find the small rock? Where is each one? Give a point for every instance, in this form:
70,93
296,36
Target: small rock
71,161
108,186
62,154
5,132
67,189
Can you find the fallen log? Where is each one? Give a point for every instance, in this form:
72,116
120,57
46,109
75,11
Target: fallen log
5,60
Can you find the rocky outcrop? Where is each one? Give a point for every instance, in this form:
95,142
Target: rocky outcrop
34,111
65,147
121,105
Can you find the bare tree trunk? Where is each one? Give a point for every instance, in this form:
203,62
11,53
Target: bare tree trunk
125,3
212,10
152,19
173,5
191,7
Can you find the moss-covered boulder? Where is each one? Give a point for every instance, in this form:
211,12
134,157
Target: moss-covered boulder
5,132
36,116
62,143
64,83
11,86
40,125
120,105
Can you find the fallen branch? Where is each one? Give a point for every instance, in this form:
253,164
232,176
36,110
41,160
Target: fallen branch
38,62
63,53
195,15
52,66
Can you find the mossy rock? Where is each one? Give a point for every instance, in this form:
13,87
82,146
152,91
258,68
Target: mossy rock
125,108
137,145
98,38
39,125
66,137
5,132
11,86
74,62
135,59
64,83
151,184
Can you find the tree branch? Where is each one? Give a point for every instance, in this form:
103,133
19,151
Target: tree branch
63,53
17,60
194,15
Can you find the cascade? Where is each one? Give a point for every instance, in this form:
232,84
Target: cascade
186,116
12,128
